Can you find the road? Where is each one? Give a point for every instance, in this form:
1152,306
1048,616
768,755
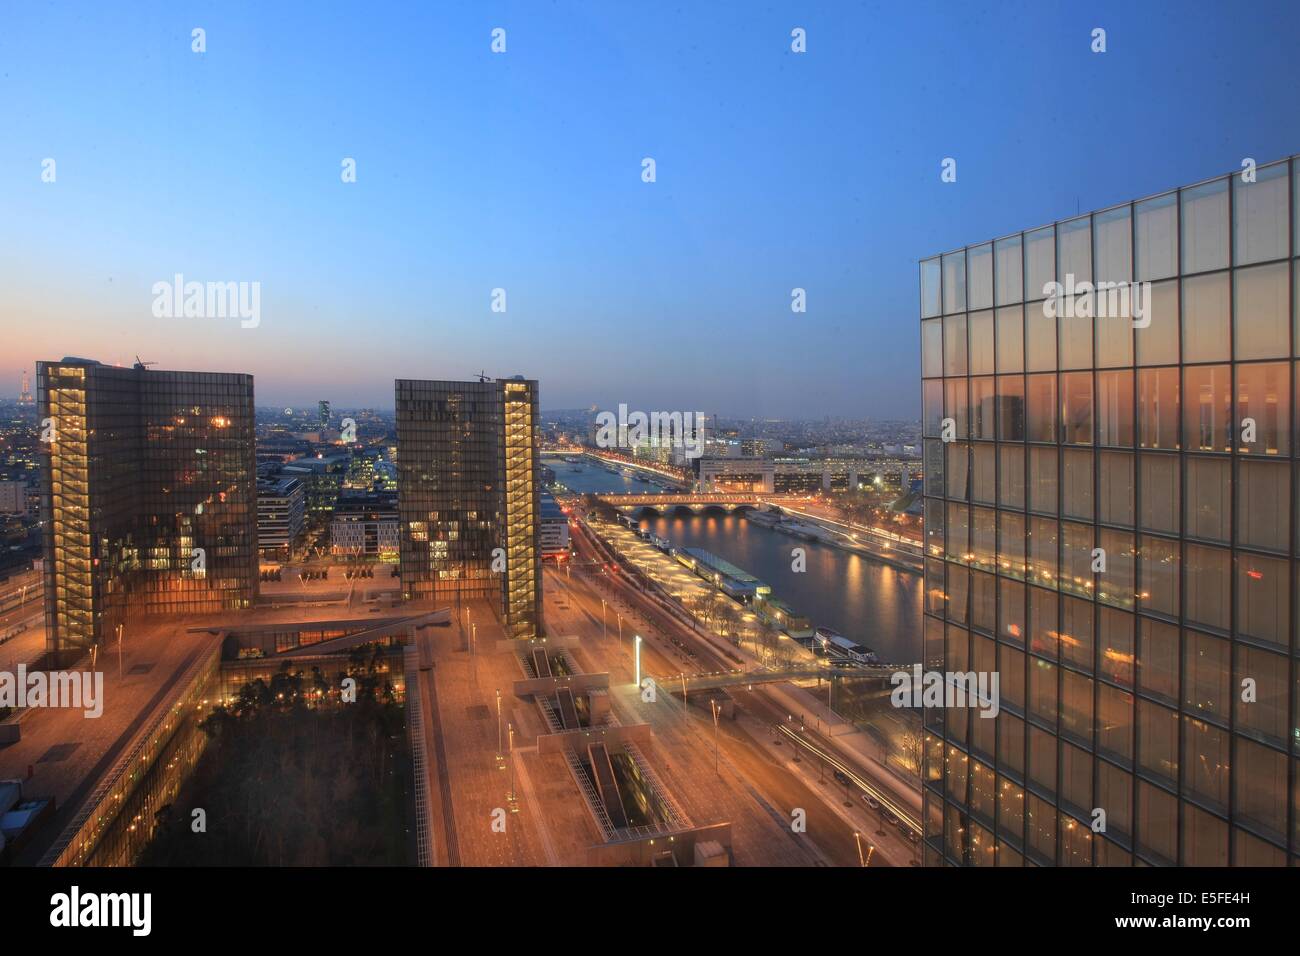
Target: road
751,743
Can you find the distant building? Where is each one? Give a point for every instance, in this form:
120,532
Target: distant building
554,529
150,496
366,526
280,506
323,408
469,495
13,497
736,474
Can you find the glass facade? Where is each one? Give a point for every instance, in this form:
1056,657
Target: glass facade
151,496
1109,502
467,475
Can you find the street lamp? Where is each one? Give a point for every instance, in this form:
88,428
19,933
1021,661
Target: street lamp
713,704
498,725
638,660
512,764
604,633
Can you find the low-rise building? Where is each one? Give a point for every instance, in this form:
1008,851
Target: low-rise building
366,526
281,503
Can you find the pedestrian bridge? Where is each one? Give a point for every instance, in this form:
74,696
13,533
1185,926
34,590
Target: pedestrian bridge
734,678
728,502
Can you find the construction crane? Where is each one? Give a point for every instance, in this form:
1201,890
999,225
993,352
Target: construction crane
142,364
482,377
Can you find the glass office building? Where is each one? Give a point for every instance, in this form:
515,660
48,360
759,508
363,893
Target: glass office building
467,485
150,493
1110,525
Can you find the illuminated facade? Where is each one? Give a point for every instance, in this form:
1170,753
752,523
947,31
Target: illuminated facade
467,474
1110,505
151,495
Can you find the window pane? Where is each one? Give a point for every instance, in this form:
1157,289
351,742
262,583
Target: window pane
1040,262
1261,317
1115,477
954,406
958,470
1259,215
1043,480
1160,575
1157,744
1205,765
1074,250
1076,408
1076,339
1205,318
1040,339
1076,484
1041,419
981,343
1114,340
983,474
932,465
1112,234
1011,561
932,407
1263,411
1158,660
931,348
1115,408
1116,584
1076,632
929,288
1011,476
1209,498
1077,542
1158,408
1156,256
980,267
954,345
1160,497
1157,342
1043,551
1011,407
1263,597
1263,504
954,282
1205,227
1207,588
1009,270
1116,643
1207,408
1011,339
981,408
1259,789
1264,717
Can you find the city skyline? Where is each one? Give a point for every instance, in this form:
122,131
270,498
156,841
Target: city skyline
760,189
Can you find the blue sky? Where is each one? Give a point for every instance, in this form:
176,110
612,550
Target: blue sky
523,171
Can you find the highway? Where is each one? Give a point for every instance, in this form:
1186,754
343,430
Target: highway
759,742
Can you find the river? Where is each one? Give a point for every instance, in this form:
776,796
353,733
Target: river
873,603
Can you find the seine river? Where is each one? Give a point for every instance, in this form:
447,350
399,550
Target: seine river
872,603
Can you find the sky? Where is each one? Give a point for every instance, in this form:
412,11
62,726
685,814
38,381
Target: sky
522,171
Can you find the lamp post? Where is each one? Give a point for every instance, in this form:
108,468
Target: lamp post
638,660
512,764
604,632
498,725
714,705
